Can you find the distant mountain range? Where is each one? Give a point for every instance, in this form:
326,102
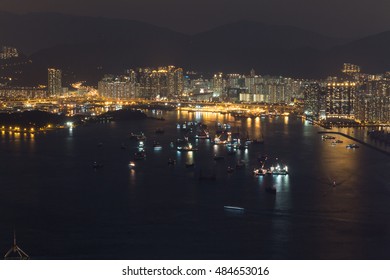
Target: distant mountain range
87,48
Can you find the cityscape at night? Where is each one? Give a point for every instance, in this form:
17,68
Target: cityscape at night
228,132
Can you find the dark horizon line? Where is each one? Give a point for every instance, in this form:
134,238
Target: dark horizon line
197,32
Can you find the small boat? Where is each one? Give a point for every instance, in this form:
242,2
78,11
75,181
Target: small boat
278,170
260,172
157,146
132,165
234,208
339,141
141,145
328,137
352,146
202,135
171,161
187,148
138,137
230,169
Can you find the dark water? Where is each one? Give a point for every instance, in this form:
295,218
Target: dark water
63,209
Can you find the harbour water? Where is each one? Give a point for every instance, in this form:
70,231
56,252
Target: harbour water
62,208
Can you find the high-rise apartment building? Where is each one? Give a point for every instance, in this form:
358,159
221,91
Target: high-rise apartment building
373,102
218,83
54,82
117,87
314,100
340,99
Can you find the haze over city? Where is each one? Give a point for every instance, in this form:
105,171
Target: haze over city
347,18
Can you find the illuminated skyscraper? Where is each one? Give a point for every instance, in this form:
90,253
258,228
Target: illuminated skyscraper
54,81
340,99
314,96
218,83
179,82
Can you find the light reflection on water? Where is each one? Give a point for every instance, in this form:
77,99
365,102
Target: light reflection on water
161,211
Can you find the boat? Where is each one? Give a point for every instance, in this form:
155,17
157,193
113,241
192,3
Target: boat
132,165
278,170
232,145
187,148
141,145
243,147
157,146
171,161
327,137
339,141
352,146
260,171
234,208
230,169
203,134
138,137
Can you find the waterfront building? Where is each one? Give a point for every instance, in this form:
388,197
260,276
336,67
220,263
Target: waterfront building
373,102
314,100
117,87
340,99
21,93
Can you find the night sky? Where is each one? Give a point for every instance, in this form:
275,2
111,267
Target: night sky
340,18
